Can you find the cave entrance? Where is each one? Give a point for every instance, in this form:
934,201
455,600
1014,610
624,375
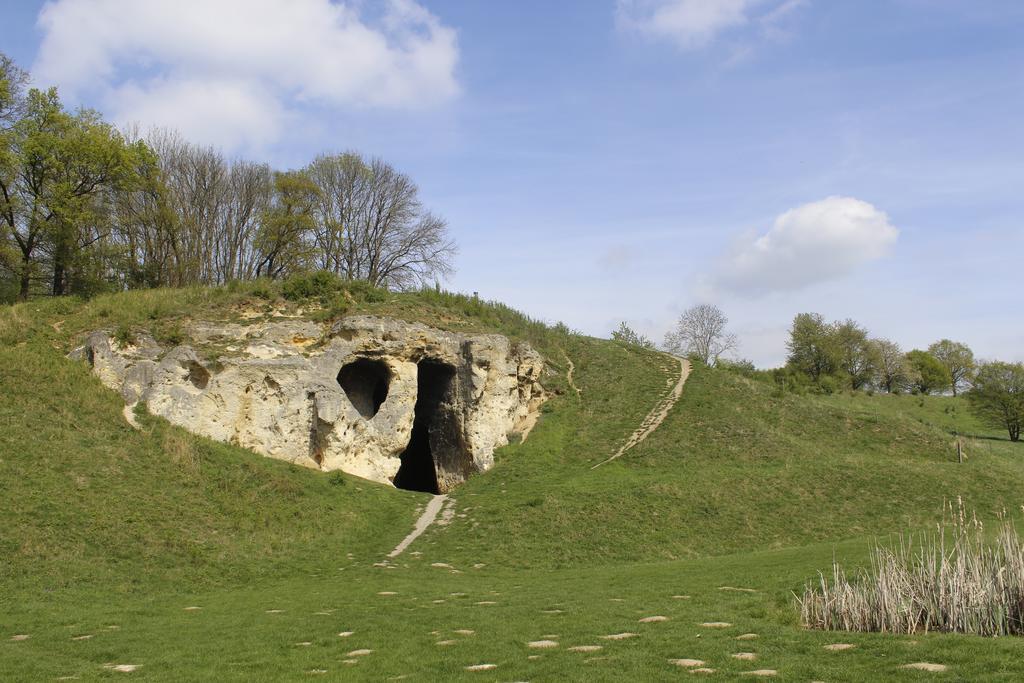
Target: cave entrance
418,471
365,382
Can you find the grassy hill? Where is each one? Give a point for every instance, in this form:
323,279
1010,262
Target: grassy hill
105,526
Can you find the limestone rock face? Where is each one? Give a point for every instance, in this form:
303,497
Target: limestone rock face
375,397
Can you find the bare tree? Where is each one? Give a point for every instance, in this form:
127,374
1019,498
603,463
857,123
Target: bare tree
700,332
371,225
245,197
893,371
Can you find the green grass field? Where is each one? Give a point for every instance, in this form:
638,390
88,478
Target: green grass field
112,533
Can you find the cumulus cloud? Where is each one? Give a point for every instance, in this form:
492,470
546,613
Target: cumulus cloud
694,24
238,67
807,245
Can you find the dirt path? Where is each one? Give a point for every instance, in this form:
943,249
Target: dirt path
656,416
425,520
569,374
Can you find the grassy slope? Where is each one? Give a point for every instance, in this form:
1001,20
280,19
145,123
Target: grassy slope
734,467
106,526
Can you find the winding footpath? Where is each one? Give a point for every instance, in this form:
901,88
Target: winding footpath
657,415
569,374
425,520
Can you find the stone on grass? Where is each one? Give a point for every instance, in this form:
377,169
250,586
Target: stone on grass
481,667
620,636
585,648
687,662
653,620
839,647
760,672
359,653
926,666
716,624
745,656
541,644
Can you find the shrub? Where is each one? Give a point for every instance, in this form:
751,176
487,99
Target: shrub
951,580
310,285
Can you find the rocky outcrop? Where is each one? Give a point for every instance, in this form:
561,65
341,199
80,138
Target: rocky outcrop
383,399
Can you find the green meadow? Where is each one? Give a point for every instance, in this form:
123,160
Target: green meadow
195,560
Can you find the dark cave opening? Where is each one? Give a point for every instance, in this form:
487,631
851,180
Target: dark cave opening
365,382
418,472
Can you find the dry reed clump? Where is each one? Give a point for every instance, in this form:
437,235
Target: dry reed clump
954,579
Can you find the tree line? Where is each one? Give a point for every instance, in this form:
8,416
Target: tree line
829,356
86,208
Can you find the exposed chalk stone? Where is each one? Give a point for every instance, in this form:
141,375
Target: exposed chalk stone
541,644
687,662
343,398
123,668
926,666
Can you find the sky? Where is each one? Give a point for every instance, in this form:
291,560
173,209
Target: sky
602,161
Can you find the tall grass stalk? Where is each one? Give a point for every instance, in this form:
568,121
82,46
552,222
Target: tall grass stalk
954,579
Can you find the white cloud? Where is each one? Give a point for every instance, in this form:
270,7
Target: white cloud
810,244
694,24
237,67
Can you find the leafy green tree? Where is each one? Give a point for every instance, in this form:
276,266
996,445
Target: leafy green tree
13,81
58,170
958,359
626,334
857,356
283,240
929,374
997,396
812,347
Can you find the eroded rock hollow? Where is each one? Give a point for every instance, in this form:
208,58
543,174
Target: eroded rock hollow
379,398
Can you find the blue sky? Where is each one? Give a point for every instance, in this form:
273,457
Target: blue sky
606,160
